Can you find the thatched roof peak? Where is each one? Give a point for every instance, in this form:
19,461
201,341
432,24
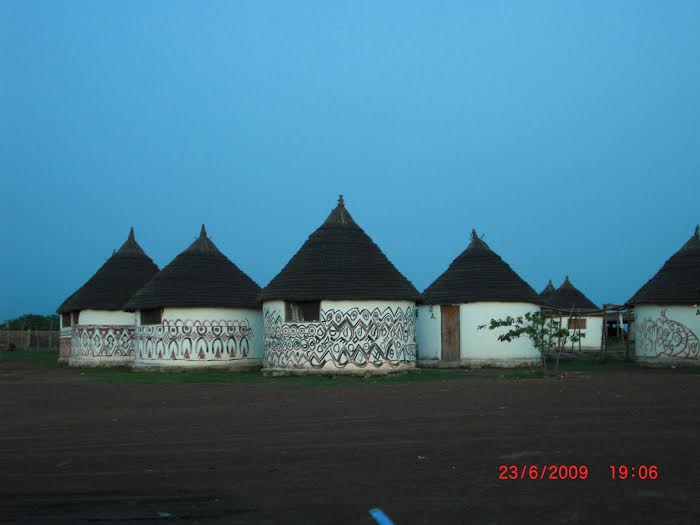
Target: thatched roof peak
678,280
339,261
478,274
200,276
127,270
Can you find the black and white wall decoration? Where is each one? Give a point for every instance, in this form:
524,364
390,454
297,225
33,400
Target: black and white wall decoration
661,336
363,337
187,340
100,341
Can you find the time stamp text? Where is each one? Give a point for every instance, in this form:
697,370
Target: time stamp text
574,472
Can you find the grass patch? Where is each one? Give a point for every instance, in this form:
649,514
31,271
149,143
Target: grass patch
43,358
412,376
49,359
592,365
126,375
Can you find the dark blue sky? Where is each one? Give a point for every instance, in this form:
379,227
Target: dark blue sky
567,132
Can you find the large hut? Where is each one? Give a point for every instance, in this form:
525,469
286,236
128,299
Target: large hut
478,286
95,329
339,306
667,310
200,311
578,314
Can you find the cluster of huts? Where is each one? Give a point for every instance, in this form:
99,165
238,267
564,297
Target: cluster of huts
340,306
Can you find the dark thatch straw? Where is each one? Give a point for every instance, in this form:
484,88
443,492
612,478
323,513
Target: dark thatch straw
201,276
568,297
339,261
479,274
547,292
678,280
127,270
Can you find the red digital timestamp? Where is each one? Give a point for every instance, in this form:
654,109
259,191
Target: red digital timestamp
574,472
542,472
634,472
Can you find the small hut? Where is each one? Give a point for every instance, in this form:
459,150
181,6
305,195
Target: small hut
95,329
200,311
667,310
478,286
578,314
547,292
339,306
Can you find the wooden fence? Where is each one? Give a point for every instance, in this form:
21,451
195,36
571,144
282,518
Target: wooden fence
28,339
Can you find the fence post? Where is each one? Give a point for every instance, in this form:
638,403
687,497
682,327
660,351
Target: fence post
604,333
630,321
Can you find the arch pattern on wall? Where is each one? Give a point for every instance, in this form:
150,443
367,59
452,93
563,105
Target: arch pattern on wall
665,337
184,339
357,336
102,341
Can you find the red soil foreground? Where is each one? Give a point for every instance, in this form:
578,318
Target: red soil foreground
76,450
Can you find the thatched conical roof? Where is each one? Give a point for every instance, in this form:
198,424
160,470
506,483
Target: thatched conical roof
479,274
568,297
339,261
127,270
547,292
678,280
201,276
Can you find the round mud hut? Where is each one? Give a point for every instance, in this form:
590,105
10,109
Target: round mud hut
667,310
578,314
95,329
478,286
339,306
200,311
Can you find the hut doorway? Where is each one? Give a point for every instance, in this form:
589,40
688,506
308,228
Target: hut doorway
450,332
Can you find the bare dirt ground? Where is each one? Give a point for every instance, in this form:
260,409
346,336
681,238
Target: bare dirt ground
78,450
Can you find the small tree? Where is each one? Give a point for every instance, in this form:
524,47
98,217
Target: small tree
544,332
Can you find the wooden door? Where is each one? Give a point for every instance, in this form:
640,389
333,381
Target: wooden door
450,332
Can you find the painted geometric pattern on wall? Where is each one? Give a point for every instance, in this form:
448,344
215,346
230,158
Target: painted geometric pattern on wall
359,336
194,340
64,346
663,336
102,341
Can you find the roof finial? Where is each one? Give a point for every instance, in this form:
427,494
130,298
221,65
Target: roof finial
697,231
203,232
341,201
131,234
550,283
